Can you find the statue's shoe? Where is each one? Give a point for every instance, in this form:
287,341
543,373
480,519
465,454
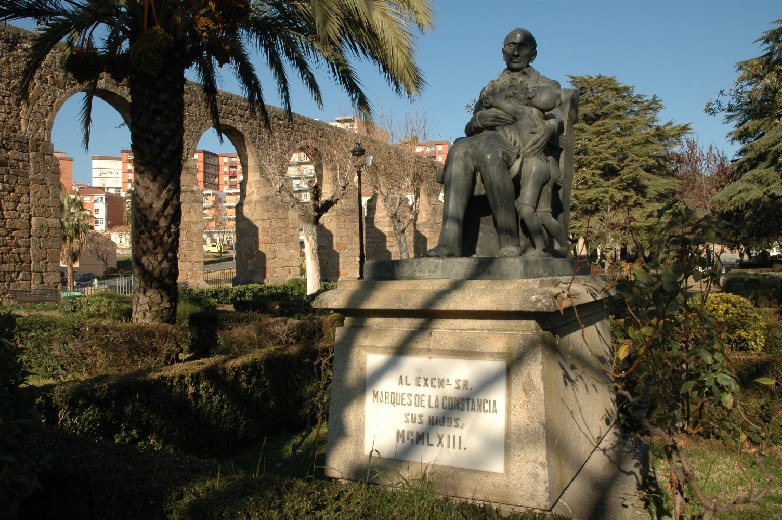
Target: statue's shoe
442,251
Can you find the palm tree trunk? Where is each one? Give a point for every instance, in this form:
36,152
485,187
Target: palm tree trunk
156,129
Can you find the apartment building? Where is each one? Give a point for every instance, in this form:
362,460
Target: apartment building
207,169
357,126
127,171
300,172
66,169
107,209
107,173
434,150
230,171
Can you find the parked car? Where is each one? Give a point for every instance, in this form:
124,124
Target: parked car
85,280
213,248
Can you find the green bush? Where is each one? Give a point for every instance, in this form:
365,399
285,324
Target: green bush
70,347
108,305
17,468
284,299
763,289
205,327
199,407
203,299
268,332
88,480
739,324
773,337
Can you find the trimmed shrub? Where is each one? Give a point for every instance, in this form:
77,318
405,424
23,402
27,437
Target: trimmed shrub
200,407
738,323
109,306
763,289
204,327
268,332
17,468
773,338
63,348
93,480
285,299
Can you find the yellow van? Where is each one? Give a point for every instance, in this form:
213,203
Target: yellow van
213,248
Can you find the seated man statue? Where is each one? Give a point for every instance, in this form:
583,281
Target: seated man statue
508,140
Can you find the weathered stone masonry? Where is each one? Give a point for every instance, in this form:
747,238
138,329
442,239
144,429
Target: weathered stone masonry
267,224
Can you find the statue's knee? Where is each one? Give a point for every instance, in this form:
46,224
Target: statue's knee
526,212
490,155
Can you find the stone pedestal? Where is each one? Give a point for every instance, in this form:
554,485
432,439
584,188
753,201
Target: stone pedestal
495,388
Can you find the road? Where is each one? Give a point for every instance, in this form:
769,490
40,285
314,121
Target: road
220,266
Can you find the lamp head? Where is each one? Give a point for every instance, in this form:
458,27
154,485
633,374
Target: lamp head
358,150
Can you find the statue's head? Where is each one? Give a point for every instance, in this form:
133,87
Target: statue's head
519,49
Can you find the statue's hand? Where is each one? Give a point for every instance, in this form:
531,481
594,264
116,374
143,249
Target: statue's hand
492,118
539,138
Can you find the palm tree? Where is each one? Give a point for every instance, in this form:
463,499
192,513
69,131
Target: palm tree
151,43
74,230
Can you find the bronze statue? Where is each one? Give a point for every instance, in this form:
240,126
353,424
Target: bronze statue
514,141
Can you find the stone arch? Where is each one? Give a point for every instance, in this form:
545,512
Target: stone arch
37,119
29,236
114,96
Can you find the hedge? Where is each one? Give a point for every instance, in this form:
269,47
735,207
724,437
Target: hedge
200,407
17,467
763,289
69,347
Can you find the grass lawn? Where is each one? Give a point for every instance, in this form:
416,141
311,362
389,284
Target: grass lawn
725,474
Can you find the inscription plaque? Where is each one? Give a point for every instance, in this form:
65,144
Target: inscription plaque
445,411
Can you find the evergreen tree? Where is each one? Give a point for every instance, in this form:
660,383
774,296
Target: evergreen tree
622,165
753,105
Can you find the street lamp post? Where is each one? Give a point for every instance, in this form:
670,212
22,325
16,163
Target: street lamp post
358,152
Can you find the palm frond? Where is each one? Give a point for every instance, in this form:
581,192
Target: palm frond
85,112
248,80
207,75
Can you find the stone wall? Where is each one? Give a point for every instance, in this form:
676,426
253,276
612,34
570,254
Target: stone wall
267,218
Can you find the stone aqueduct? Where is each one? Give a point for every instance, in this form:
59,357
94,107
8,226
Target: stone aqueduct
267,222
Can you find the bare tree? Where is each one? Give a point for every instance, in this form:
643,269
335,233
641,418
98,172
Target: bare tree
415,126
216,226
333,166
102,247
399,179
703,172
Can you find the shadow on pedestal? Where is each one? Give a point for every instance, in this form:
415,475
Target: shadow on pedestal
489,375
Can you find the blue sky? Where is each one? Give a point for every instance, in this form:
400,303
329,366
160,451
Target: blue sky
683,51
